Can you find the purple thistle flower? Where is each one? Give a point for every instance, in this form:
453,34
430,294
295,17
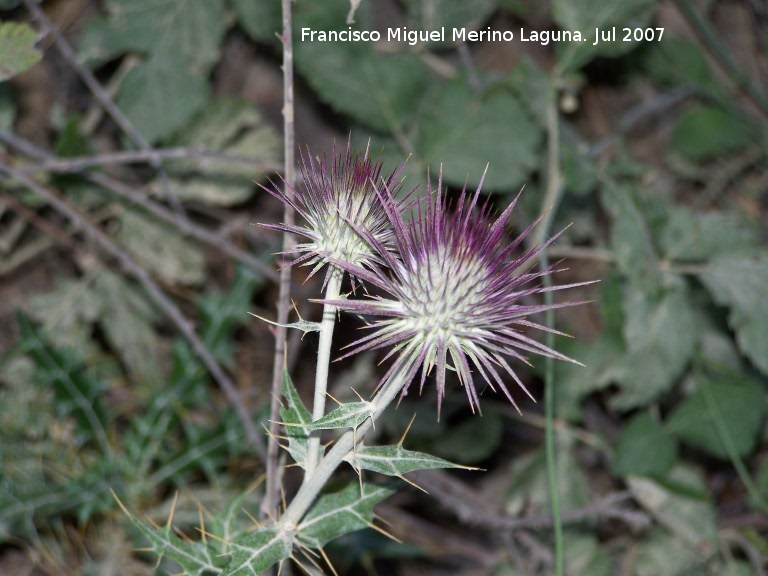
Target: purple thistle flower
341,210
456,293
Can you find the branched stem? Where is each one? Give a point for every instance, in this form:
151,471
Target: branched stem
327,325
313,484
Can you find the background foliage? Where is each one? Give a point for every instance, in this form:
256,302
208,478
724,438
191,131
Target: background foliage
661,150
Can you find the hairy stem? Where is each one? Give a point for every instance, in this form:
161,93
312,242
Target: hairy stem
327,325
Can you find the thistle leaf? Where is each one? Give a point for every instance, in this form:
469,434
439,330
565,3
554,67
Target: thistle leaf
349,415
258,550
341,513
296,419
395,460
194,557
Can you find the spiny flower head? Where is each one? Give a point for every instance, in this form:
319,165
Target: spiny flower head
341,208
456,294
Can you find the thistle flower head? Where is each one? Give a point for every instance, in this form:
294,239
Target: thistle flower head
340,206
455,295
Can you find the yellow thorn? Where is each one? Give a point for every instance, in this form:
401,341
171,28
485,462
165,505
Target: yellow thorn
402,439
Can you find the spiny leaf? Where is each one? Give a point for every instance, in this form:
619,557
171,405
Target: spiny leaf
194,557
17,52
77,392
297,419
337,514
349,415
259,550
395,460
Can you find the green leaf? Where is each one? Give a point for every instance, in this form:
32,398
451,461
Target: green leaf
349,415
435,14
690,235
257,551
298,418
160,249
77,392
337,514
707,132
465,132
261,20
680,504
395,460
222,313
740,404
17,51
194,557
126,320
379,90
230,127
160,96
588,15
660,554
738,281
660,334
585,555
471,440
631,236
681,62
644,448
189,32
529,488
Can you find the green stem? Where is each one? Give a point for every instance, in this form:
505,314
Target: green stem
313,484
552,199
327,325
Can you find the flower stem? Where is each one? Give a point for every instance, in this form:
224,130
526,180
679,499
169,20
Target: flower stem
327,325
314,483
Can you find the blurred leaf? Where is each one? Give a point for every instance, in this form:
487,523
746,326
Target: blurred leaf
77,392
434,14
584,555
529,489
160,249
189,32
738,280
341,513
465,133
579,173
587,15
658,554
395,460
256,551
741,405
644,448
160,96
228,127
681,504
631,235
681,62
296,414
127,319
222,313
707,132
17,49
261,20
472,440
378,90
690,235
660,334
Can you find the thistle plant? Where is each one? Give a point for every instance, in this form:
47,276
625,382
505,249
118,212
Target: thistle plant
443,290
